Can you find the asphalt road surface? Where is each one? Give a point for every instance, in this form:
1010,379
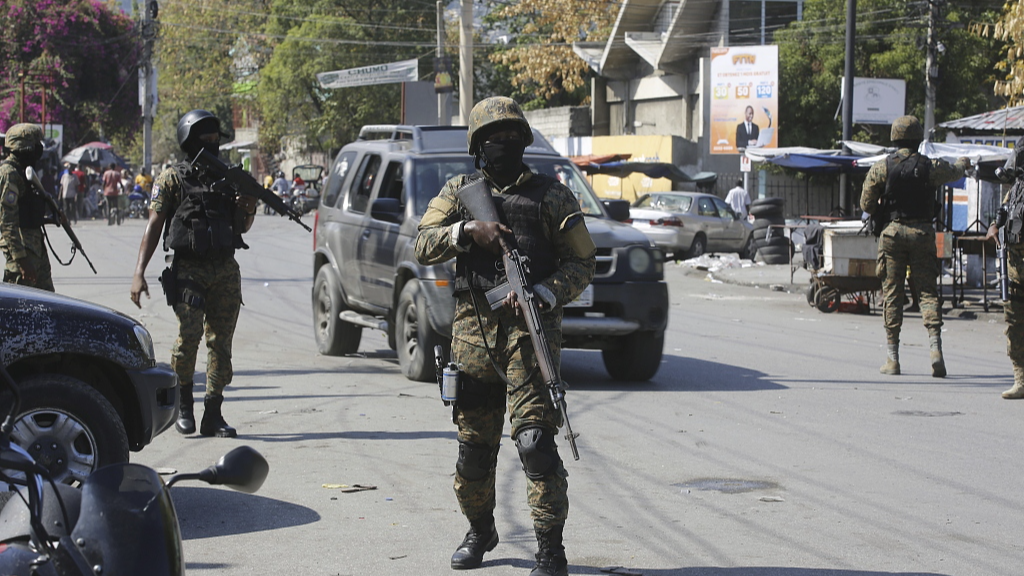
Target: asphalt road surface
767,444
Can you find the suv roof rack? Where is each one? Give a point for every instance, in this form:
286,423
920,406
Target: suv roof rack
437,138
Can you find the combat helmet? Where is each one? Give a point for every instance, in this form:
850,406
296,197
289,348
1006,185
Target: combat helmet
194,123
22,137
491,111
907,128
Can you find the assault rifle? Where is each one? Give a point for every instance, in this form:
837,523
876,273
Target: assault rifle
76,244
477,199
243,183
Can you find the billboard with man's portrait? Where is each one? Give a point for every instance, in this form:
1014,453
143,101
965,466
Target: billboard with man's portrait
744,98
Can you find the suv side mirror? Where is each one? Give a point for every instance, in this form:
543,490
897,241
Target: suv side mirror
617,209
388,210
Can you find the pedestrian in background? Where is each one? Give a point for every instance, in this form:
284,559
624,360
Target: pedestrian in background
69,194
111,190
739,199
23,211
492,347
903,187
204,284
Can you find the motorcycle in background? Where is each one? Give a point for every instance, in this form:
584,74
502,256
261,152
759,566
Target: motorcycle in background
121,522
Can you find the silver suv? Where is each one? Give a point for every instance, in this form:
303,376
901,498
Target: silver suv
366,274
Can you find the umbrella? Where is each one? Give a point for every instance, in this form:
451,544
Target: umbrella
94,153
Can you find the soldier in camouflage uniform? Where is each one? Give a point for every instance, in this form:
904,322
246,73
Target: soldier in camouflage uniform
492,347
203,227
904,186
1011,217
23,211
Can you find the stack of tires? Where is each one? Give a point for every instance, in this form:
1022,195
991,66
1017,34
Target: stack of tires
773,248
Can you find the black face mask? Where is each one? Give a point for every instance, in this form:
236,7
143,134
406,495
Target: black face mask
30,157
504,158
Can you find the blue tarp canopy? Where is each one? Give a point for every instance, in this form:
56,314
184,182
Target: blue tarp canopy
652,169
819,163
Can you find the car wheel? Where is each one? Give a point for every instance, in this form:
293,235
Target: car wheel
636,357
749,249
699,246
414,335
68,427
334,336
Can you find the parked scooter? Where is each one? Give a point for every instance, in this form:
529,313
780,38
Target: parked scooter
122,521
138,206
305,199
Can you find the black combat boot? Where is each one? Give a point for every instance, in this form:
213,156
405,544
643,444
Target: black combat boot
213,423
482,537
186,422
550,554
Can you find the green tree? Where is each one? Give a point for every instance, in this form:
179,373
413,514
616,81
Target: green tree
197,56
539,62
890,43
1009,28
326,35
63,42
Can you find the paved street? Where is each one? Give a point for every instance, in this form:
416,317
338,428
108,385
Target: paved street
768,443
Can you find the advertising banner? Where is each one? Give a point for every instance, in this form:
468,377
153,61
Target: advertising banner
744,98
404,71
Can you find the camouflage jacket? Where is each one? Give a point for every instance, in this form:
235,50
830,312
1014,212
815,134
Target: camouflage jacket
18,241
435,243
874,184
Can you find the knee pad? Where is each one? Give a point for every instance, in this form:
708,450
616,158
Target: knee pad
537,452
475,460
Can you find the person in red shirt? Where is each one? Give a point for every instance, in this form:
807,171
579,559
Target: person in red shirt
111,190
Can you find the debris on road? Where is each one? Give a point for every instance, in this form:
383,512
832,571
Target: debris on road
353,488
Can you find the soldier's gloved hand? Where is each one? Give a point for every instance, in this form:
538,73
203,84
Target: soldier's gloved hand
27,270
487,234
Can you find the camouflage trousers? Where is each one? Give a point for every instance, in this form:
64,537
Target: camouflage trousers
528,405
1013,311
38,259
902,245
216,317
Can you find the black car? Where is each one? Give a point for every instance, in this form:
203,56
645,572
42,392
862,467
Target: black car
366,274
91,389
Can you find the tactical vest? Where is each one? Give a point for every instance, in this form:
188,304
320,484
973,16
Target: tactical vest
203,224
520,210
31,206
1015,213
910,194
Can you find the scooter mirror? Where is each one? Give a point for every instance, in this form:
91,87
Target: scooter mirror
242,469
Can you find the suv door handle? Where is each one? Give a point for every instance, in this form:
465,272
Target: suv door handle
366,233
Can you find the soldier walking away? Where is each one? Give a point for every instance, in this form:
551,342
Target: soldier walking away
492,346
23,211
902,190
1010,218
203,225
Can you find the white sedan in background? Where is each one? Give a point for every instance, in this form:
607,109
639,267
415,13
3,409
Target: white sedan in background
688,224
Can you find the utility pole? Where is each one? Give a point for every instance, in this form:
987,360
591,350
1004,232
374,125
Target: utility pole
146,81
931,71
444,117
848,74
466,61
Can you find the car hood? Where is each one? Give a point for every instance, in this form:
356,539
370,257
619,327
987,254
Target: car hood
611,234
35,322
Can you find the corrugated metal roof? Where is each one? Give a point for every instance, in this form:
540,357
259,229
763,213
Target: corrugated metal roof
1009,120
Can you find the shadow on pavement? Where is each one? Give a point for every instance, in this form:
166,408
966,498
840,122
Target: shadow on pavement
584,370
212,512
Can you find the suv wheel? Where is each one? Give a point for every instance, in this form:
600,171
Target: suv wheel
334,337
636,357
414,335
68,427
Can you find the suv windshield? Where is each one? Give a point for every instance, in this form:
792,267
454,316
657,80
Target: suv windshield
430,174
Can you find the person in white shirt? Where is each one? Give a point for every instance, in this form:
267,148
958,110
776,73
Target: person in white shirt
738,199
69,194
